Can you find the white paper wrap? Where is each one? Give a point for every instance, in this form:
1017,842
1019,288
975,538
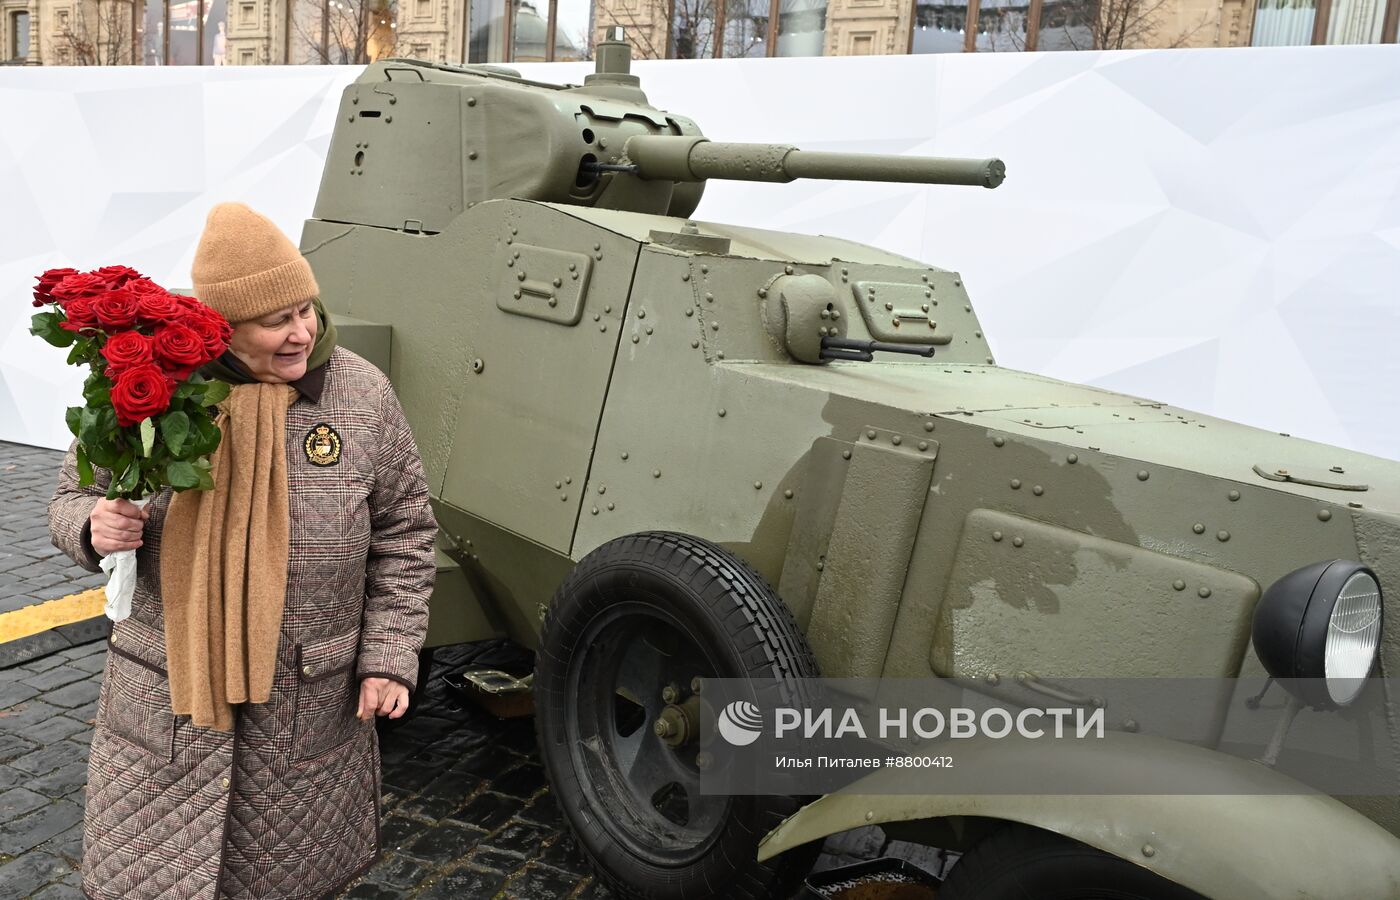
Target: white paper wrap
121,578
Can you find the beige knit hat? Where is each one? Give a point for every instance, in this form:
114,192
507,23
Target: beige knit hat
245,267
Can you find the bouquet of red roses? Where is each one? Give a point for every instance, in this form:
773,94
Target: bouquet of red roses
147,416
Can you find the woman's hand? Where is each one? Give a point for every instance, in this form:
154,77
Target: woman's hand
382,696
116,525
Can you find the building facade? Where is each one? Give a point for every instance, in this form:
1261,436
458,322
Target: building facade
295,32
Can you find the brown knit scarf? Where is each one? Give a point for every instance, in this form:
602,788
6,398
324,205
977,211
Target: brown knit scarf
223,563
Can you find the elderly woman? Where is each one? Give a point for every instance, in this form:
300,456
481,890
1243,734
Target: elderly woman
235,753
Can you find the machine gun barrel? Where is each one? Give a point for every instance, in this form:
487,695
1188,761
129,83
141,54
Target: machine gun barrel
693,158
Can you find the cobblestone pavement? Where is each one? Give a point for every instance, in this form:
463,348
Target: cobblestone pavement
31,568
467,813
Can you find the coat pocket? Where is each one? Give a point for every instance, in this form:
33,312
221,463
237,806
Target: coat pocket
327,694
136,703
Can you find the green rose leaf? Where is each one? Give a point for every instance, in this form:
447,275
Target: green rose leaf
84,468
45,325
214,392
102,454
186,389
97,391
72,417
130,468
148,436
174,428
182,476
206,480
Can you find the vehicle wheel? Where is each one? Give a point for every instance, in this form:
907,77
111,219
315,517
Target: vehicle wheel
640,615
1023,863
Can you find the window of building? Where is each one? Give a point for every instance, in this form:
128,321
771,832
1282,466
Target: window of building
19,35
247,14
1001,25
939,27
423,9
64,58
745,28
245,57
862,44
801,28
1282,23
1066,25
62,19
692,29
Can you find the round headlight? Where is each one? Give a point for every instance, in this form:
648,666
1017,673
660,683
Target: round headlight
1318,630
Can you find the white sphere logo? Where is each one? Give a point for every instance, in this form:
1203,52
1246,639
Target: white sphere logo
740,723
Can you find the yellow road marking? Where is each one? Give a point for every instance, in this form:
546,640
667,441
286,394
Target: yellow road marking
51,614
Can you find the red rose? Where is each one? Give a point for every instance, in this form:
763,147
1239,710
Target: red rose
214,332
43,291
115,309
143,285
139,392
117,276
180,350
126,349
78,315
156,307
84,284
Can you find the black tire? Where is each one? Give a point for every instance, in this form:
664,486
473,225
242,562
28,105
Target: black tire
663,604
1018,862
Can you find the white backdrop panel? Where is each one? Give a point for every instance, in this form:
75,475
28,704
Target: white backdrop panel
1219,229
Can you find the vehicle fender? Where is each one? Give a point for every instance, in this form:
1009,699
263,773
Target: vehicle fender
1258,835
456,611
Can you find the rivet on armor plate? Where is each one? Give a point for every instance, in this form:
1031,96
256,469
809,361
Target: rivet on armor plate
1234,495
923,445
787,270
603,327
471,155
758,485
552,301
594,510
1204,592
685,276
957,283
928,294
889,307
820,565
1016,542
787,494
845,454
1148,850
478,365
624,454
714,326
709,298
636,338
1178,585
996,535
1015,484
762,292
648,329
1222,536
569,480
355,101
694,344
1198,528
845,271
655,473
558,485
563,496
896,440
515,254
967,309
835,314
519,276
597,247
558,282
610,506
923,307
1037,490
471,101
1143,476
721,413
870,434
999,441
869,815
1324,515
602,488
989,362
596,317
1072,458
641,314
388,120
690,311
928,426
517,295
514,230
977,334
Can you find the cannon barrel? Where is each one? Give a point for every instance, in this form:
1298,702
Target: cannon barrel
694,158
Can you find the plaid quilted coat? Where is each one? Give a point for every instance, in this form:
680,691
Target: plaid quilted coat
287,806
